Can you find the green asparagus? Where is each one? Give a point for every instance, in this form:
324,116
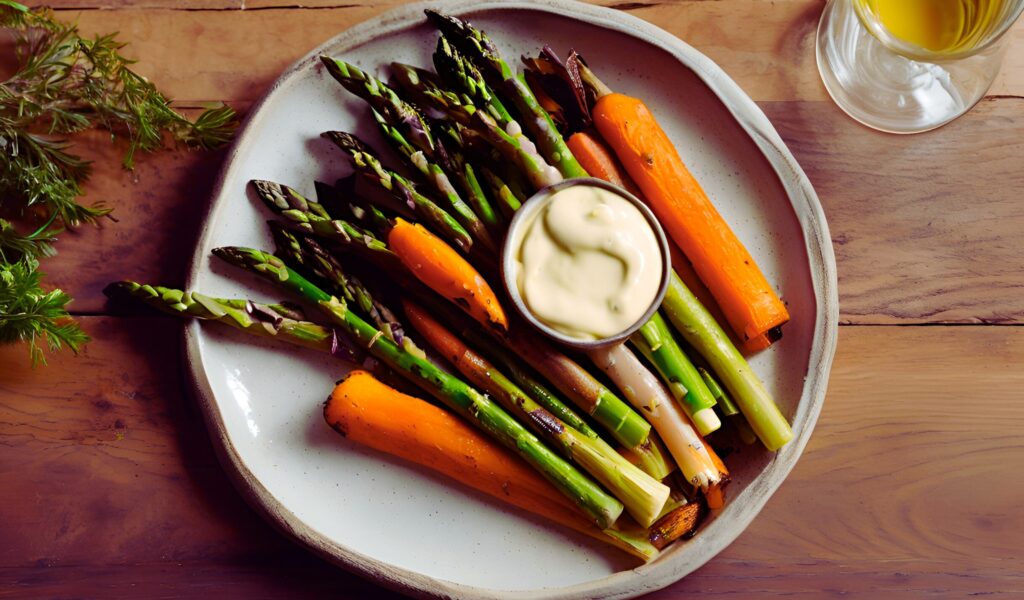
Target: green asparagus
437,178
509,140
479,48
277,321
642,495
424,89
384,100
405,126
580,387
401,190
460,74
700,330
308,216
722,400
451,142
602,509
655,341
504,196
306,253
527,381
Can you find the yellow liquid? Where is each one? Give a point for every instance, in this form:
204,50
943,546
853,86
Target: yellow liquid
935,25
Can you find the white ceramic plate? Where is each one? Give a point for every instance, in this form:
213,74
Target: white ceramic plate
395,522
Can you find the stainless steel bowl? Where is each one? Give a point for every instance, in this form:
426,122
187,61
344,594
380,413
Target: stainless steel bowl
508,263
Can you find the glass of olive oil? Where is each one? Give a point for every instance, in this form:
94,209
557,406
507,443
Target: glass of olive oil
906,66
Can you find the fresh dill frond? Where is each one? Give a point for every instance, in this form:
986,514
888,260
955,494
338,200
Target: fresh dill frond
63,84
39,243
66,83
32,315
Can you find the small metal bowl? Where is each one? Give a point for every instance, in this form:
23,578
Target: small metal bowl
508,263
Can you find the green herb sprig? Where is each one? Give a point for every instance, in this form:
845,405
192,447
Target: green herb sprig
32,315
63,84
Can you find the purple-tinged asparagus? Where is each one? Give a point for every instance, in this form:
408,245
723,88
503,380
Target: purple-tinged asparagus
478,48
401,189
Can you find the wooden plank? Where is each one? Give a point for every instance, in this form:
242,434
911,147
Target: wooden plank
233,55
70,5
295,575
920,235
105,461
159,209
926,227
910,484
312,579
221,55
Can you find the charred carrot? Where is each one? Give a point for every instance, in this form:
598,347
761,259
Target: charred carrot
599,161
750,304
684,269
372,414
443,270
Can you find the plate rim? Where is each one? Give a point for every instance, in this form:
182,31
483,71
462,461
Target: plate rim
671,566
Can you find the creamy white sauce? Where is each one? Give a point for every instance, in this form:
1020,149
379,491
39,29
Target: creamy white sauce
589,264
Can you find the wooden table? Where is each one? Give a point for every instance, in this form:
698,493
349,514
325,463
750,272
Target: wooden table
911,486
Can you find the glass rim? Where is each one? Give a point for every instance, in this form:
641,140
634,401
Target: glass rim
915,52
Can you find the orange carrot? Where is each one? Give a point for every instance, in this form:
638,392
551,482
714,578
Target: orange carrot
684,269
715,496
717,461
598,161
723,263
372,414
443,270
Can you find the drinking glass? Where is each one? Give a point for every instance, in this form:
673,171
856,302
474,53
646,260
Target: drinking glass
906,66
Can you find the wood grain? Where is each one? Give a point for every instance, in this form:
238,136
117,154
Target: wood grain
912,477
159,210
234,55
923,226
295,574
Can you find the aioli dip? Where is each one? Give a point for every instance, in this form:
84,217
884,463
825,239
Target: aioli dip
588,263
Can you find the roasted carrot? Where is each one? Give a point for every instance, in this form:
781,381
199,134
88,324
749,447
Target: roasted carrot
443,270
751,306
715,496
599,161
372,414
684,269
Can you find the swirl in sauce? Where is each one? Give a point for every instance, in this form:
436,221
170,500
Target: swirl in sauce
589,264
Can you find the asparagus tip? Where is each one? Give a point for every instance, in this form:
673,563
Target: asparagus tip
118,289
334,66
445,23
346,141
591,80
268,191
233,254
